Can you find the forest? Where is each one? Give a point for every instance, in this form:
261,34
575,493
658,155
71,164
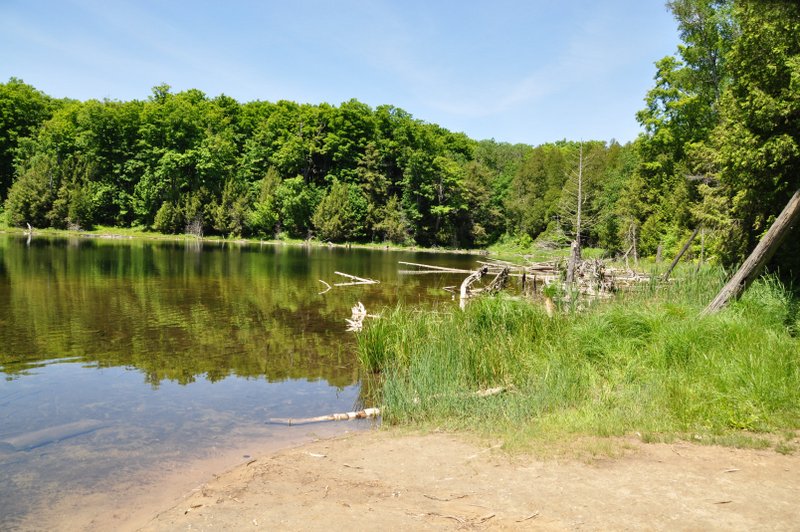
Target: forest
720,149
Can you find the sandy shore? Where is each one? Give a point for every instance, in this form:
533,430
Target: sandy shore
384,479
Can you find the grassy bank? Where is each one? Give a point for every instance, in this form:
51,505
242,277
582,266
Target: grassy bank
644,363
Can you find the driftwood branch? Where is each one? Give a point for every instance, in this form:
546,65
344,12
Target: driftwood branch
326,284
344,416
499,282
788,220
484,392
465,285
356,321
430,268
356,280
488,392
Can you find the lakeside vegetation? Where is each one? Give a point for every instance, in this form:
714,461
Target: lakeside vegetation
642,363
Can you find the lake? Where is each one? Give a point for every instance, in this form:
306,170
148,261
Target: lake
127,363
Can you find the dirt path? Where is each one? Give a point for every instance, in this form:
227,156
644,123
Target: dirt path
384,480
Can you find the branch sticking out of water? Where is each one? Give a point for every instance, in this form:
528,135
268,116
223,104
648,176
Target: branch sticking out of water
356,280
326,284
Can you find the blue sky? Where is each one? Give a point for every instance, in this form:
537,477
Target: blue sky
517,71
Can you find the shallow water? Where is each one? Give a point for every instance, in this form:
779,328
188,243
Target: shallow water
122,357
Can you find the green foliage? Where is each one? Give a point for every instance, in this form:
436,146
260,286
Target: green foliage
534,192
721,146
186,162
31,196
297,201
341,214
758,139
23,109
231,212
169,218
393,225
642,363
263,217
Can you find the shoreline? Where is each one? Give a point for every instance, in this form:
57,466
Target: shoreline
110,234
434,481
129,501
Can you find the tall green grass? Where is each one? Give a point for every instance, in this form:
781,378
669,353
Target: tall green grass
645,362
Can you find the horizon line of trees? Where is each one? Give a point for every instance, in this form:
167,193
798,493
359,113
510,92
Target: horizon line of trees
720,149
184,162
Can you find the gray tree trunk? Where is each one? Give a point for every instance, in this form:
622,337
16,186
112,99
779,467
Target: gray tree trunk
575,252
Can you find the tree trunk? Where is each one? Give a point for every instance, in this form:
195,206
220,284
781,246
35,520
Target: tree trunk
574,258
783,225
680,254
575,252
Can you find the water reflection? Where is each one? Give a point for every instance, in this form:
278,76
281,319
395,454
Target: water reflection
118,355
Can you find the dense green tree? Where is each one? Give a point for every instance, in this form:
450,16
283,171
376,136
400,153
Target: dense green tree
393,224
615,202
231,212
169,218
758,139
297,202
534,192
23,109
31,196
340,215
263,216
681,112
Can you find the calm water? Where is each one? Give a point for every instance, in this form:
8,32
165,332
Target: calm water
120,357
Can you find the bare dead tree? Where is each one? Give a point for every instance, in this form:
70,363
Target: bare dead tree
574,198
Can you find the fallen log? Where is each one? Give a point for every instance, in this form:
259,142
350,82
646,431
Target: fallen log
367,413
48,435
423,272
788,220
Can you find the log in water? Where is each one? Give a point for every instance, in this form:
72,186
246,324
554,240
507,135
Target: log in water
46,436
